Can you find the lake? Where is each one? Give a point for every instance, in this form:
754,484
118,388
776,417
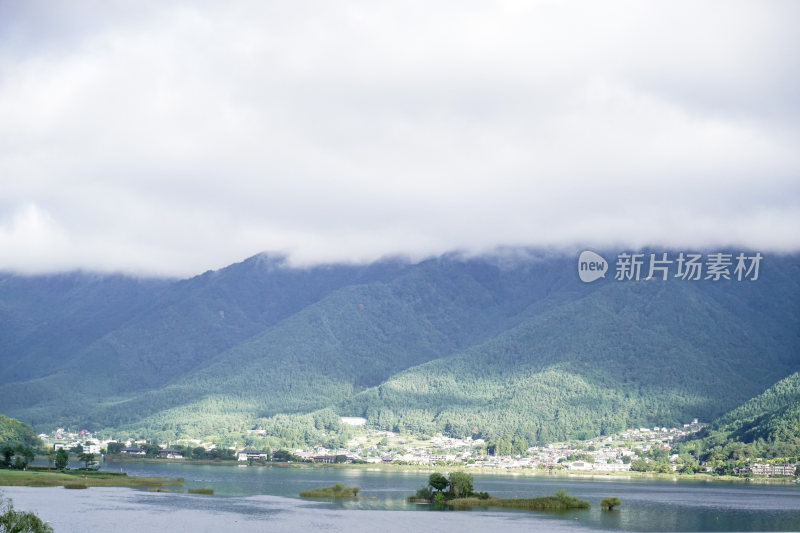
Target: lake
265,498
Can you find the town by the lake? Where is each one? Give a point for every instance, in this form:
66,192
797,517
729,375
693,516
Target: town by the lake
633,450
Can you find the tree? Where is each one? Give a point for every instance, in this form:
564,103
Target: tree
151,450
282,455
219,453
11,520
51,458
114,448
609,503
438,481
519,445
78,448
500,447
461,484
23,457
658,454
88,459
424,493
664,468
62,459
639,465
8,453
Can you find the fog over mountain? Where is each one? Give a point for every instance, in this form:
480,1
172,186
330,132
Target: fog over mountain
176,137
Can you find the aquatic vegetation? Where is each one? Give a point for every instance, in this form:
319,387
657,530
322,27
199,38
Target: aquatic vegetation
559,501
39,478
609,503
334,491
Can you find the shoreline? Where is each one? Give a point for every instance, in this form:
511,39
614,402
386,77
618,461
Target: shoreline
81,479
528,472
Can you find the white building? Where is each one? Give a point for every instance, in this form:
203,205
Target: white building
247,455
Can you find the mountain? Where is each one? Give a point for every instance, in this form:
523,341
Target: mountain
46,320
773,415
767,426
175,328
16,433
511,345
626,354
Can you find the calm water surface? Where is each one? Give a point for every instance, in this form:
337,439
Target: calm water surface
265,499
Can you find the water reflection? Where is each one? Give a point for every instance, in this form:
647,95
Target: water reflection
647,505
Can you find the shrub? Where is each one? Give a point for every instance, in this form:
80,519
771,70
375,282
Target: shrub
11,520
334,491
425,493
559,501
609,503
461,484
438,481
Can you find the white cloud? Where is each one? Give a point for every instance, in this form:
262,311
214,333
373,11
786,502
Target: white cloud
178,137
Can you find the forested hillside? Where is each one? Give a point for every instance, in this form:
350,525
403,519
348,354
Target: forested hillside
171,330
765,427
45,321
511,346
773,415
16,433
625,355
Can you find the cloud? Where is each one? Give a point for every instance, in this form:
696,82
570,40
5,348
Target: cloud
177,137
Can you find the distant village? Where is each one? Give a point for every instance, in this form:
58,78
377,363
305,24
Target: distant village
610,454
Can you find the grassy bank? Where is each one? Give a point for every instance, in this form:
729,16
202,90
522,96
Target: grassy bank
560,501
73,478
334,491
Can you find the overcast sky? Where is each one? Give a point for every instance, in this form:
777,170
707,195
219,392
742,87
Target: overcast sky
171,138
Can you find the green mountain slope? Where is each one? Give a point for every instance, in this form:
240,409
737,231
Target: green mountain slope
773,415
46,320
766,426
352,339
629,354
13,433
176,330
197,319
509,346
